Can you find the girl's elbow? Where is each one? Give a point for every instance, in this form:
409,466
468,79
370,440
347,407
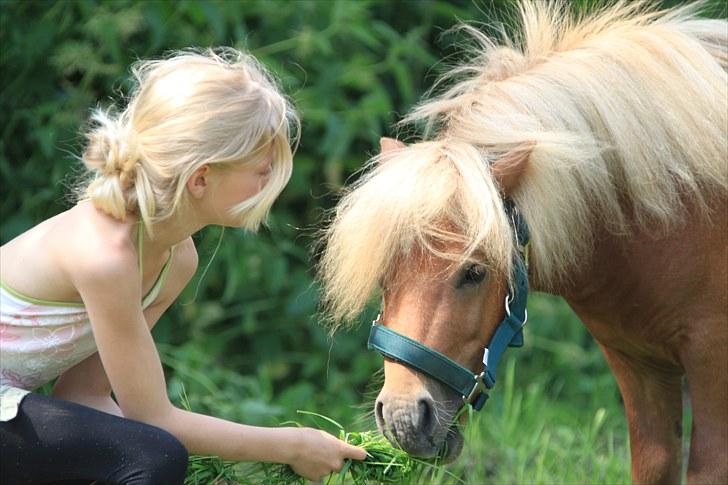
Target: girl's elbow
161,415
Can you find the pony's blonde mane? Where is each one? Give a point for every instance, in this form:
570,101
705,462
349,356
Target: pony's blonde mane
626,109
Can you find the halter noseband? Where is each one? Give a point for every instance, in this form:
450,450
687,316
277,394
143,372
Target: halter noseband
471,386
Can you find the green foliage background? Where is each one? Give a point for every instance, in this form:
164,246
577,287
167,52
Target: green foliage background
245,341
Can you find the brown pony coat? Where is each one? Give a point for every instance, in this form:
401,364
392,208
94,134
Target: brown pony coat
658,307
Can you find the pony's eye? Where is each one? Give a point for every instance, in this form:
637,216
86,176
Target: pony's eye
473,275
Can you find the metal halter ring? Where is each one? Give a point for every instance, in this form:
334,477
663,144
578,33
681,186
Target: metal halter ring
508,301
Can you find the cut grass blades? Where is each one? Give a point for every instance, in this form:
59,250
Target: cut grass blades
384,463
381,465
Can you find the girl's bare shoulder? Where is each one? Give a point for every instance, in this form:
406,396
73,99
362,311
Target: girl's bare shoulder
76,241
88,239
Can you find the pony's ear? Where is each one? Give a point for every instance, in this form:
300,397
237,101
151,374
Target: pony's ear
388,145
508,169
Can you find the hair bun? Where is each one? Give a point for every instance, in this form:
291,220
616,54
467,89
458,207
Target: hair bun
112,154
112,150
121,158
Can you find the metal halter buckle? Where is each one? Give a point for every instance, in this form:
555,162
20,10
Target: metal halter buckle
478,388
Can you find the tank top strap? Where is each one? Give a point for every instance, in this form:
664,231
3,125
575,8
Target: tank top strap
140,250
161,278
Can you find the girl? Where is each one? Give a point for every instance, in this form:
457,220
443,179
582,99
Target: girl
204,140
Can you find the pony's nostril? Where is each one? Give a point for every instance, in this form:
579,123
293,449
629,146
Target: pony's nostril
426,415
379,411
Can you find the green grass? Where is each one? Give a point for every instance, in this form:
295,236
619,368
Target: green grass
525,436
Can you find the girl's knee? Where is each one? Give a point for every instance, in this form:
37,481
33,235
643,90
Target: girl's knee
170,464
158,458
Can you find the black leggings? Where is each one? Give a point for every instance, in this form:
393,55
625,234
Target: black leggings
56,441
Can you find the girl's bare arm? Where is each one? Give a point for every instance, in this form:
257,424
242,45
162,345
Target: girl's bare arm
111,292
86,383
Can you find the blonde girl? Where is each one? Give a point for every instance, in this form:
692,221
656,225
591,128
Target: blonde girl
205,139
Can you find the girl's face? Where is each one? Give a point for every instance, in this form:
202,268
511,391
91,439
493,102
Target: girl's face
236,183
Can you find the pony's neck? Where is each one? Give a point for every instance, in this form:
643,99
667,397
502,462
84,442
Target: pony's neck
644,288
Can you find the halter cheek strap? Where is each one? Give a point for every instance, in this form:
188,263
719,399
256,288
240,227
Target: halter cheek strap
509,333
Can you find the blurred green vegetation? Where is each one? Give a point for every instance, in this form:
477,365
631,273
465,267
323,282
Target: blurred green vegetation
245,341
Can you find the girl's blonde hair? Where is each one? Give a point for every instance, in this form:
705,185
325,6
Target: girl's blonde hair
213,107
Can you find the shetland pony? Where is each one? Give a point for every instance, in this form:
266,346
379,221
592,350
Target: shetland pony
609,132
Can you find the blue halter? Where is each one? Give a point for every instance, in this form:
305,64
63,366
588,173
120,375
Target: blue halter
471,386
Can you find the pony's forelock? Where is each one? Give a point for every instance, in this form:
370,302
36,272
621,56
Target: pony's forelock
433,196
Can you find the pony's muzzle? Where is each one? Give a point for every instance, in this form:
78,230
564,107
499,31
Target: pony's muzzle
410,423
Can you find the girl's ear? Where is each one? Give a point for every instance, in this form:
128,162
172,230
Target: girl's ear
508,169
198,181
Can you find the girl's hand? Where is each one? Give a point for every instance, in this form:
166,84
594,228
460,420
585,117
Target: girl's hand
318,453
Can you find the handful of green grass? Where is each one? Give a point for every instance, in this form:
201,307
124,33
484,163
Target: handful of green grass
384,463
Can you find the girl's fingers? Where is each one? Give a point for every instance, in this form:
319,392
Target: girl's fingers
354,452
